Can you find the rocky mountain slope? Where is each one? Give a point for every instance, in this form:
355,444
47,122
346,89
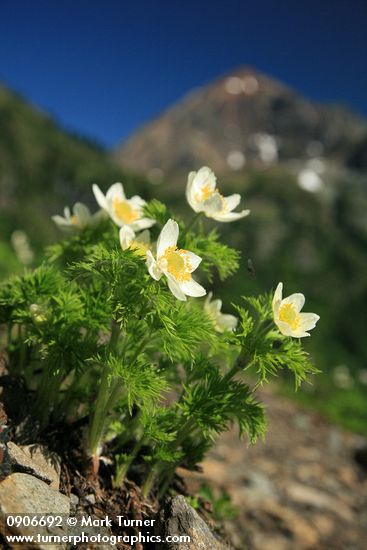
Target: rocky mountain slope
303,488
242,119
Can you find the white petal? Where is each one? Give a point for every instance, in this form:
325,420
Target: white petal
227,322
115,191
204,177
299,333
192,288
137,202
168,237
217,305
82,214
194,260
189,194
308,320
175,288
297,300
142,223
284,328
59,220
277,299
126,235
213,205
67,212
100,198
153,268
230,216
117,220
278,294
232,201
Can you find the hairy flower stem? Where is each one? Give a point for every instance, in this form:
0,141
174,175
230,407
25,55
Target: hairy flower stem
97,424
169,474
264,328
48,395
192,222
150,479
105,401
22,348
109,392
241,363
245,359
125,467
115,333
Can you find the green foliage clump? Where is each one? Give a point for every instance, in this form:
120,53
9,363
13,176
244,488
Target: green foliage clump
94,335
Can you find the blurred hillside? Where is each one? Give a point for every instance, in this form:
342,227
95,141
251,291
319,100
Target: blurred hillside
299,167
43,169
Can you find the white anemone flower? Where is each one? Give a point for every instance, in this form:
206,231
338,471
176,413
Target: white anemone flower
121,210
78,219
223,322
288,317
203,196
140,244
176,264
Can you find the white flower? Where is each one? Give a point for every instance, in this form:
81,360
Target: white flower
139,244
79,219
222,322
121,210
287,314
176,264
203,196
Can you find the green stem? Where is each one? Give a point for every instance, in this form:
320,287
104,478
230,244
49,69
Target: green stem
97,425
150,479
192,222
238,366
124,469
265,327
114,395
22,348
65,406
105,400
167,482
115,333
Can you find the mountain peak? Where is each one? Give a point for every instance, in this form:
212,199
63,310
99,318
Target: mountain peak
242,118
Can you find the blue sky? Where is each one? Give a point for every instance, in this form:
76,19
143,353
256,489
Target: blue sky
103,68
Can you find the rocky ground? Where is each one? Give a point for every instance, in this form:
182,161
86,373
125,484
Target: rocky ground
304,488
300,489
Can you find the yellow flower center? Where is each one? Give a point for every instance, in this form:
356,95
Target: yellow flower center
74,220
177,264
124,211
289,315
206,192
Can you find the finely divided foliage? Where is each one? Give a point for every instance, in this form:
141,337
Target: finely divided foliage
114,327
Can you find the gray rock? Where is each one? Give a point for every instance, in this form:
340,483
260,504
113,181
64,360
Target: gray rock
25,494
91,499
179,518
74,501
36,461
